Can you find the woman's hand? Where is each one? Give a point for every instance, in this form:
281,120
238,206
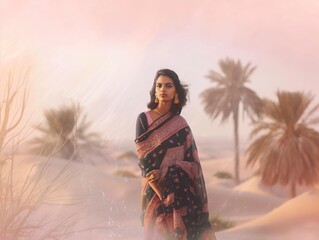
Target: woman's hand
153,175
152,178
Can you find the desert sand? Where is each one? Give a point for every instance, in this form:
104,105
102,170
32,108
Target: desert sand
106,205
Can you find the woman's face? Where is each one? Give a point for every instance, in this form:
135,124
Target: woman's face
165,88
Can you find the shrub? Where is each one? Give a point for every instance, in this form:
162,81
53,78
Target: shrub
125,173
220,224
127,154
223,174
22,200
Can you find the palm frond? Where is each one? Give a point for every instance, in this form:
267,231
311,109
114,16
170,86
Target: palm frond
215,101
288,151
257,149
292,105
215,77
65,132
252,104
248,71
311,112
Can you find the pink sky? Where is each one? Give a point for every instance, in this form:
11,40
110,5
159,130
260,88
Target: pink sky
104,53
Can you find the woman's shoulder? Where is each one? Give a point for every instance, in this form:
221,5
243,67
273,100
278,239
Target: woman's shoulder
141,124
141,115
181,118
142,118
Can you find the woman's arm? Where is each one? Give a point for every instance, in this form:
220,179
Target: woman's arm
141,124
153,180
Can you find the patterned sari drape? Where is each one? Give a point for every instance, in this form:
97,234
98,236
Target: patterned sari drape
168,145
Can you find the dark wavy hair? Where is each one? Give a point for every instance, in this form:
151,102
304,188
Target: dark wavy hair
181,90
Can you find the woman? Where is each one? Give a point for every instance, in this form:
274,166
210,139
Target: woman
174,199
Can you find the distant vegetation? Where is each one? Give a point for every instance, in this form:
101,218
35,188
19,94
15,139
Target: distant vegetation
220,224
66,134
223,175
22,198
125,173
285,145
128,154
20,203
229,95
285,142
13,101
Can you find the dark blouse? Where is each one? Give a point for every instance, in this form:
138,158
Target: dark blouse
141,124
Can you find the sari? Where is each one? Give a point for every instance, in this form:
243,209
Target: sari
182,213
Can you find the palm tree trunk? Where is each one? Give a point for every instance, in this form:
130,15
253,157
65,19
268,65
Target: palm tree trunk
292,189
236,146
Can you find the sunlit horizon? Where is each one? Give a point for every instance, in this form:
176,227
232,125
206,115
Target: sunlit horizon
104,54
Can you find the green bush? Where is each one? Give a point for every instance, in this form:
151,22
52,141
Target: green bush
125,173
128,154
223,174
220,224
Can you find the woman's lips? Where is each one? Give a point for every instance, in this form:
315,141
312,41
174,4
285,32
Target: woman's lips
163,95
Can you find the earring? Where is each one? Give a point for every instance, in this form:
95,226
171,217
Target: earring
156,99
176,100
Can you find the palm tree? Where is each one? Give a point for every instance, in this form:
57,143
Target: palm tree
65,135
228,94
287,148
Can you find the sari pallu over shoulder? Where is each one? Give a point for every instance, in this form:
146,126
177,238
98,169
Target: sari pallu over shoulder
168,145
159,131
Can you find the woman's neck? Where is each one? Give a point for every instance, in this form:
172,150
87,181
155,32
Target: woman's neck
164,107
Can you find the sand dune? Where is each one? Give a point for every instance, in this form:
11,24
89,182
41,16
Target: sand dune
210,167
254,185
99,198
294,220
94,197
239,205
